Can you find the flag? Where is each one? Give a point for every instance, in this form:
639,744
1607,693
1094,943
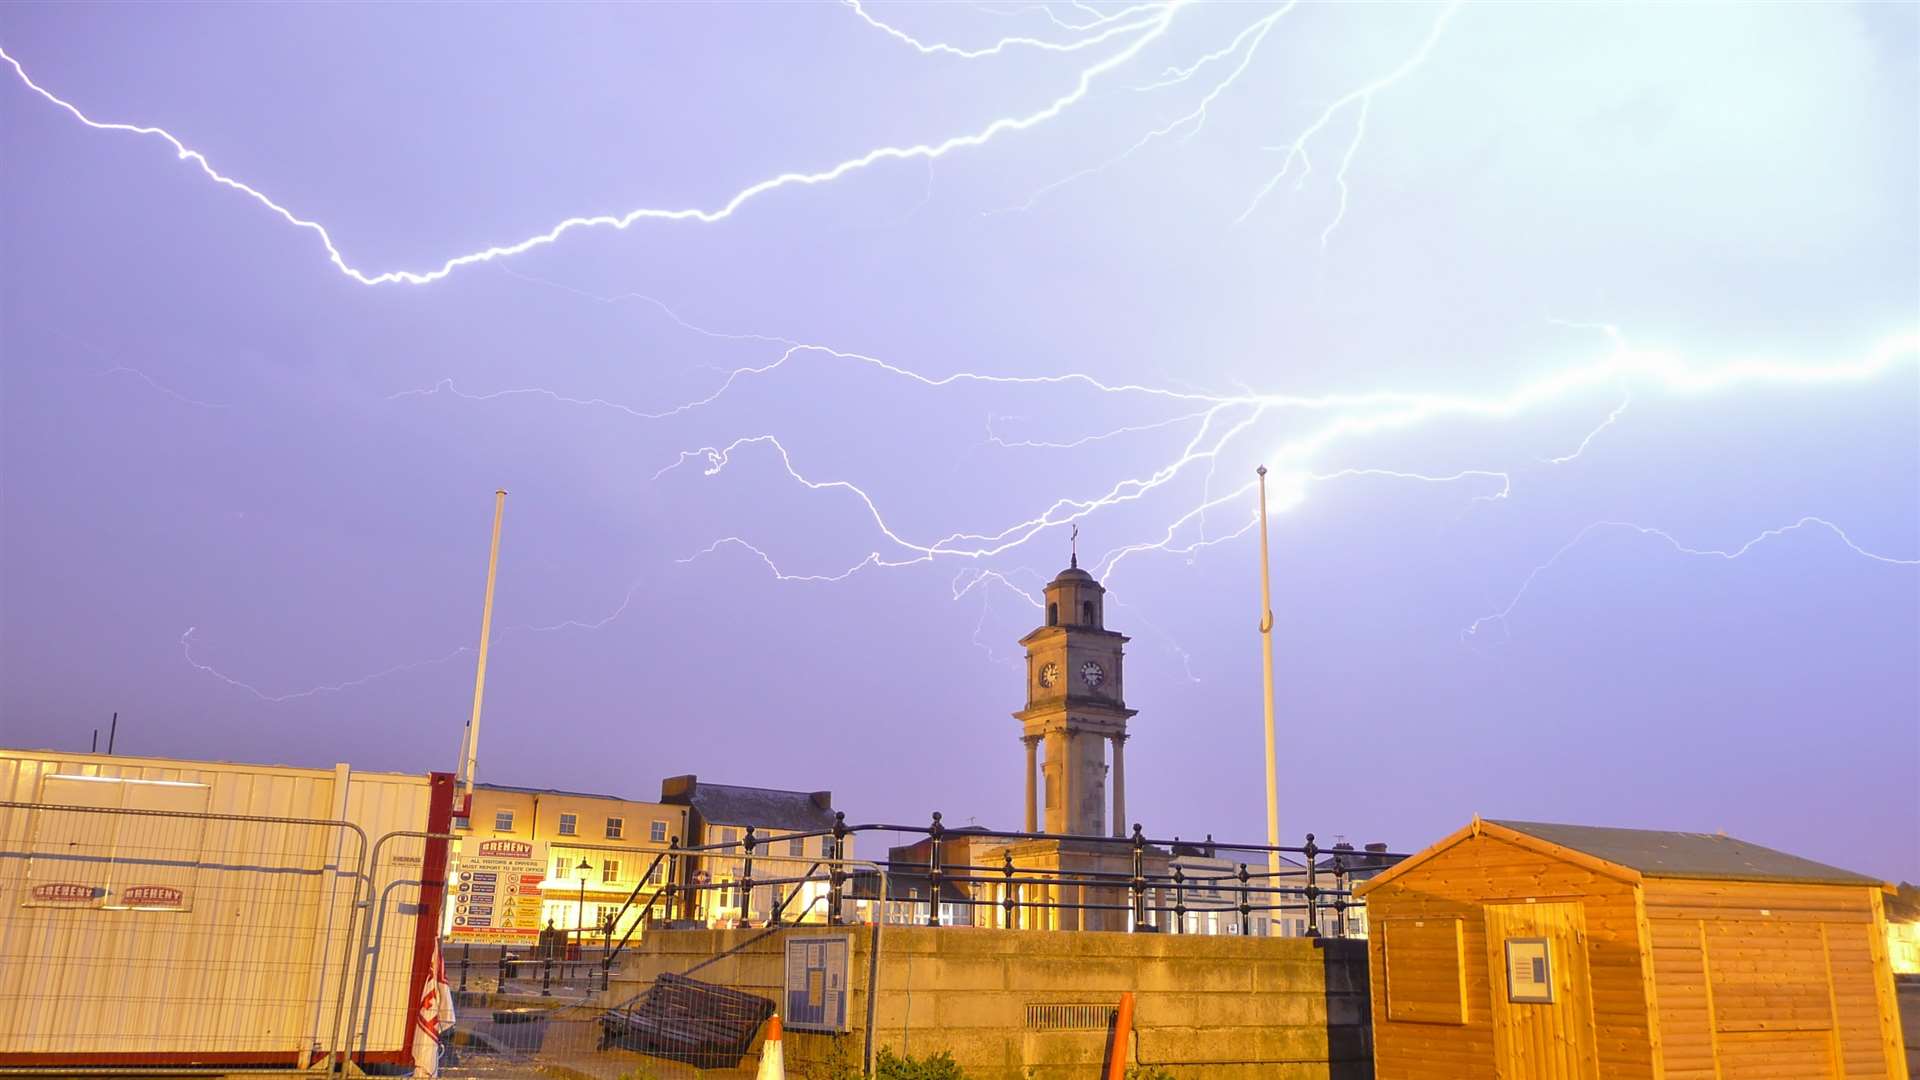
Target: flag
433,1017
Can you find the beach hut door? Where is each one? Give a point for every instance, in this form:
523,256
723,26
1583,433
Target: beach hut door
1542,1009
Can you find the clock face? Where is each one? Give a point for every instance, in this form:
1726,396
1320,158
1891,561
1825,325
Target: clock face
1049,674
1092,674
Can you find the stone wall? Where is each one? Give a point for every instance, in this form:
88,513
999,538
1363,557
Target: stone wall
1214,1007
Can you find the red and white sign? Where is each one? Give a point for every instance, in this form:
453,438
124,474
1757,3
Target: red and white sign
67,892
505,849
153,896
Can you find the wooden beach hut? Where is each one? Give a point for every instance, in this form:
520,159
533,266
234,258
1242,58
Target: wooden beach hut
1528,951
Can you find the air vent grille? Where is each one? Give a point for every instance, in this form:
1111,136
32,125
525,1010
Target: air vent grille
1069,1017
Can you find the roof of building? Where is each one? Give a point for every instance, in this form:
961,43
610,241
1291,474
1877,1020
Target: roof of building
1634,854
762,808
552,791
1074,573
1686,855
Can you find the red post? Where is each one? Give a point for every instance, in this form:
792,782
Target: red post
1122,1035
433,891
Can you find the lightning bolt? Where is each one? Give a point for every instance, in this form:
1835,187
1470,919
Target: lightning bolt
1356,416
1674,542
121,369
1297,150
186,649
1117,29
1151,31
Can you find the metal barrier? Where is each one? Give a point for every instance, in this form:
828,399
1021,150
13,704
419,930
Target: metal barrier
147,936
1133,883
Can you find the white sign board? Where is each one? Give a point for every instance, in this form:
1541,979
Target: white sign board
1529,971
817,987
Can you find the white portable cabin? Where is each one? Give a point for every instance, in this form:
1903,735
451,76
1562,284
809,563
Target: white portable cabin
162,911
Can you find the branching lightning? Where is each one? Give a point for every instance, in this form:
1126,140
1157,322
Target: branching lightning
1296,434
1144,34
1675,543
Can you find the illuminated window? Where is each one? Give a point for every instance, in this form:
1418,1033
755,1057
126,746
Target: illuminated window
610,870
569,824
503,821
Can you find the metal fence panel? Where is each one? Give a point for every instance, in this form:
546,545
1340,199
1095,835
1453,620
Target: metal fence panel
133,929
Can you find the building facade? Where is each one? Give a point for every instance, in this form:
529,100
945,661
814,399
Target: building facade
596,849
784,872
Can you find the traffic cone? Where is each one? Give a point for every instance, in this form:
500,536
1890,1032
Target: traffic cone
773,1063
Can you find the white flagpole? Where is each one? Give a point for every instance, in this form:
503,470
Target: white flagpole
1266,670
470,750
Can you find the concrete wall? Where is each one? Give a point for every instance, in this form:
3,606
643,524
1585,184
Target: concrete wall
1215,1007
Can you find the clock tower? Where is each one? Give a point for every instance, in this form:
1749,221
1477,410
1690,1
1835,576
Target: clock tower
1076,708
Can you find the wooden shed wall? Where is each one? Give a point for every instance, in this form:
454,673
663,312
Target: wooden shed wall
1772,980
1454,884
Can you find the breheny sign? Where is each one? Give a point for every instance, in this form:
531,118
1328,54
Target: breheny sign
496,893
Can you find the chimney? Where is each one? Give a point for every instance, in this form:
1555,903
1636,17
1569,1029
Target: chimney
822,799
1378,847
678,789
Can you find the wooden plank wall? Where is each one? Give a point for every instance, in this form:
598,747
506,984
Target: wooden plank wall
1454,884
1745,972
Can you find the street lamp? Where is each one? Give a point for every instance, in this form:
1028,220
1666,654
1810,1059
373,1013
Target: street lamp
580,917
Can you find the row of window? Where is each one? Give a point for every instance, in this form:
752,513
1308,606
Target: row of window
796,847
570,826
565,868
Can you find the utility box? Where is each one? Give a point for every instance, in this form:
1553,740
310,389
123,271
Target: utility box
1529,951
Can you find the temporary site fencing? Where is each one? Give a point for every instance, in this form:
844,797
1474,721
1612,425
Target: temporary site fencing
655,1002
140,930
728,933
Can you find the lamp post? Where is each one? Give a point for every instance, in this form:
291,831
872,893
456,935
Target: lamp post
580,917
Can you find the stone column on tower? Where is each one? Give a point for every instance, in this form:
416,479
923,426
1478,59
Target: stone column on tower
1033,809
1120,784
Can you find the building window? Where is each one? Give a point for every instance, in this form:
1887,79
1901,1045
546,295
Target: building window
462,823
610,870
1086,612
616,827
560,867
654,873
1053,614
729,835
569,824
657,832
797,847
503,821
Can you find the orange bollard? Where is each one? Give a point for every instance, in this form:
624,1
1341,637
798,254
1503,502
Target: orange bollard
1122,1033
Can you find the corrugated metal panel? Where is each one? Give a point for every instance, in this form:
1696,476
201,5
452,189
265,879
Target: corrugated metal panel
255,964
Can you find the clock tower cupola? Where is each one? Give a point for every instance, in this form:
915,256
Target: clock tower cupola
1076,709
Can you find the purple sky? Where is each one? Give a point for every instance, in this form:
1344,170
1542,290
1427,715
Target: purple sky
206,424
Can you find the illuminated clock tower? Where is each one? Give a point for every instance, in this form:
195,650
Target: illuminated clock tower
1076,709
